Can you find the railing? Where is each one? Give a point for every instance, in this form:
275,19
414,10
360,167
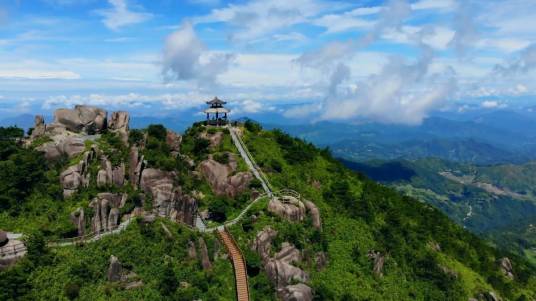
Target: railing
288,192
249,157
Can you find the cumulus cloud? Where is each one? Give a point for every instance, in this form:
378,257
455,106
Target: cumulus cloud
401,93
258,18
466,33
185,57
525,62
119,15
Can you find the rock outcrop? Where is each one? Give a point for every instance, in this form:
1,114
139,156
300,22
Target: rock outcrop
192,251
77,176
506,267
119,123
263,242
282,273
379,261
287,207
203,252
115,269
173,140
136,166
168,200
39,127
82,119
280,269
78,219
297,292
315,214
69,146
106,211
219,177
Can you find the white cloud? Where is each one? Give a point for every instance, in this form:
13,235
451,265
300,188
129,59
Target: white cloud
185,58
119,15
258,18
522,64
166,101
434,4
38,74
493,104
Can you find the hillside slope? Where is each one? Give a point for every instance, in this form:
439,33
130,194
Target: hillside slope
485,199
343,237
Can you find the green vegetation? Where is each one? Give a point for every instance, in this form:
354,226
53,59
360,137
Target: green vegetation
495,201
358,216
160,262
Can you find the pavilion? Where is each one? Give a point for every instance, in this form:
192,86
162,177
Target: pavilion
216,113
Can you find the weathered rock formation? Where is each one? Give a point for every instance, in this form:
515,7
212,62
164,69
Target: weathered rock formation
315,214
297,292
136,166
119,123
506,267
168,200
39,127
114,269
173,140
287,207
106,211
77,176
192,251
280,269
68,146
379,261
219,177
78,219
109,175
263,242
203,252
214,139
82,118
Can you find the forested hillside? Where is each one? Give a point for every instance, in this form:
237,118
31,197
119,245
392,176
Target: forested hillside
348,238
495,201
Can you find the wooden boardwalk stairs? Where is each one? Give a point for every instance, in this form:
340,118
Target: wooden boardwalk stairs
239,265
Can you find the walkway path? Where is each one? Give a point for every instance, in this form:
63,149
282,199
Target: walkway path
250,161
239,265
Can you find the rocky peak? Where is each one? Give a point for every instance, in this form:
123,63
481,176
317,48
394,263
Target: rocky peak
85,119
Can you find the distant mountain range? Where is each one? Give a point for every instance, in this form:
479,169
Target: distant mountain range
494,137
490,200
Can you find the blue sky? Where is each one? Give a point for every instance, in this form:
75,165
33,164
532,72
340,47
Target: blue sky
392,61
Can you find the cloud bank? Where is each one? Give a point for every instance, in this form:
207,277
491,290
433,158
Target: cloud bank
185,57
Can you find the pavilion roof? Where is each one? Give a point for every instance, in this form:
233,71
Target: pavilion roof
216,100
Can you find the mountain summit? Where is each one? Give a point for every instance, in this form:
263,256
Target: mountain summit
94,210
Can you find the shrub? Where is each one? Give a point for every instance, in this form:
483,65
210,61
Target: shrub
252,126
135,137
255,183
72,290
222,158
157,131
